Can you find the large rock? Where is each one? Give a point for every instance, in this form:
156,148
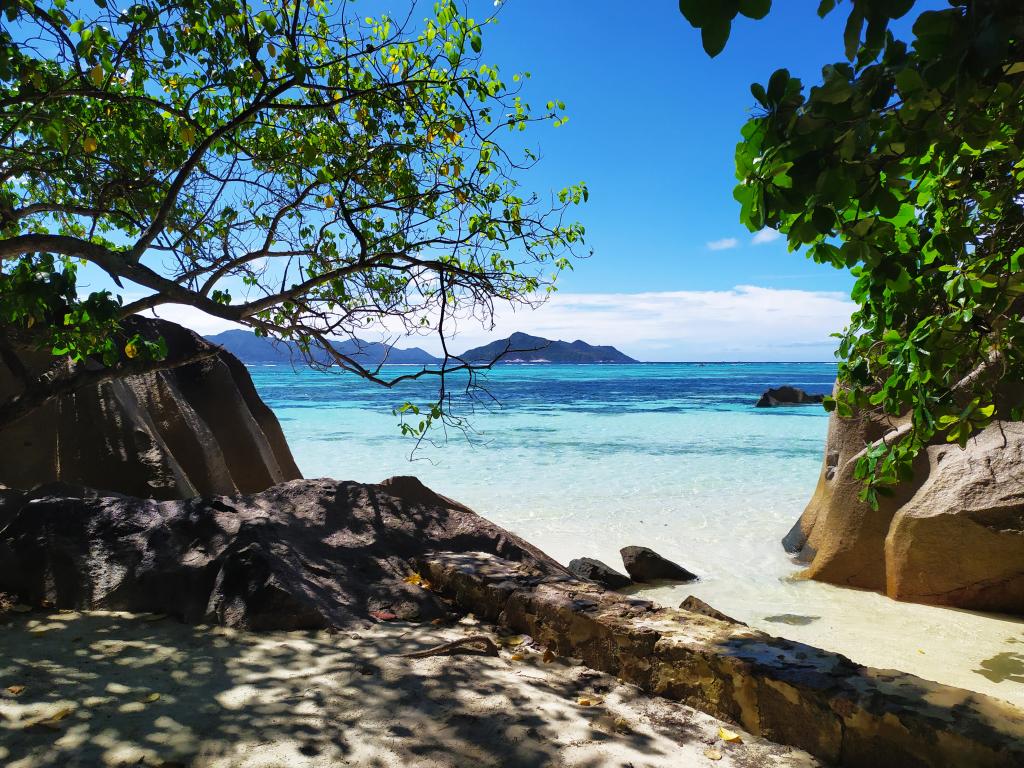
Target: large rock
960,539
598,572
788,692
787,395
952,535
643,564
303,554
200,429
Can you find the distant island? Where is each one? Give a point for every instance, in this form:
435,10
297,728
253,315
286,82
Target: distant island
517,348
523,348
250,348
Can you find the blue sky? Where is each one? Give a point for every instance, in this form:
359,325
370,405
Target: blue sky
653,126
654,123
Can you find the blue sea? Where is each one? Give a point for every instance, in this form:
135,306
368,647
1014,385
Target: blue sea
584,459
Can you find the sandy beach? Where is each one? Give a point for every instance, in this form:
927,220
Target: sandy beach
118,689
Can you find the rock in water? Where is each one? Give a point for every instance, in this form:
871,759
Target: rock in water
787,396
596,571
199,429
301,555
952,535
643,564
696,605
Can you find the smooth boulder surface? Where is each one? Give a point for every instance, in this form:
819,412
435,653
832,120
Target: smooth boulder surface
787,395
952,535
305,554
199,429
644,564
598,572
960,539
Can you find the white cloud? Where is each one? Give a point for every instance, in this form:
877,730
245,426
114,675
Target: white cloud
745,323
765,236
724,244
190,317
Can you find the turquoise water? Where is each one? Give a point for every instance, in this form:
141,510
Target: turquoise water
583,460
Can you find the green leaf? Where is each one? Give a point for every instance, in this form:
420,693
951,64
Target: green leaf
755,9
714,35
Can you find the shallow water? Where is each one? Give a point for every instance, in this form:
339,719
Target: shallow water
582,460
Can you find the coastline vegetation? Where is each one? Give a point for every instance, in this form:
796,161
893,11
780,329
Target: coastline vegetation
903,165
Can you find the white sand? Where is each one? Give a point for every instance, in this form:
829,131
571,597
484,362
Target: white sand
136,690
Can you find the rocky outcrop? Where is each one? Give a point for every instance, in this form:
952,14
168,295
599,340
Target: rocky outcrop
952,535
784,691
960,539
598,572
643,564
787,395
199,429
300,555
694,604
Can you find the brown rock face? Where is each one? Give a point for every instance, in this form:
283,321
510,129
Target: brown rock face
953,535
960,540
200,429
788,692
301,555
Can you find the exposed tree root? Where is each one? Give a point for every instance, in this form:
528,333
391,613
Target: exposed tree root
489,648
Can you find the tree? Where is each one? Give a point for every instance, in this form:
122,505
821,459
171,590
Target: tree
904,165
290,166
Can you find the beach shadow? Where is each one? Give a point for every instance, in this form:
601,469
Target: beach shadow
155,691
1002,667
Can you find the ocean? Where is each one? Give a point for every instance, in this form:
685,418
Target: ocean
584,459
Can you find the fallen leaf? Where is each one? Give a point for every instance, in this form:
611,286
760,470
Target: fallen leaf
15,690
383,615
151,698
712,754
517,657
589,701
729,736
413,578
549,656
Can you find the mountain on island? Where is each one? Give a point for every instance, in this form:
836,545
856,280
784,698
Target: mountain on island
517,348
250,348
523,348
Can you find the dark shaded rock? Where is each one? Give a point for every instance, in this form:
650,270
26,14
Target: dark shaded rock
596,571
301,555
199,429
643,564
696,605
787,395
